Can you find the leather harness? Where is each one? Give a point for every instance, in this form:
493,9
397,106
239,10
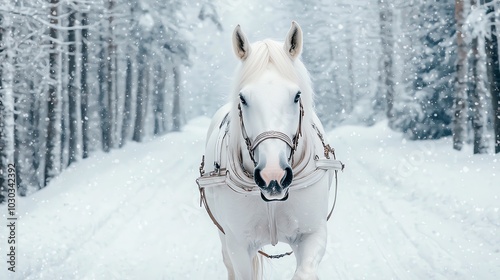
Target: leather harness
233,175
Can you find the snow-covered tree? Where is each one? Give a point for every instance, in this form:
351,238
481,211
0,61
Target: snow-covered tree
84,89
6,101
53,157
479,94
493,67
460,100
61,64
130,59
423,110
387,41
111,74
73,92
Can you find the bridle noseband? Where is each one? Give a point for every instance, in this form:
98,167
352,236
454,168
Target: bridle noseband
271,134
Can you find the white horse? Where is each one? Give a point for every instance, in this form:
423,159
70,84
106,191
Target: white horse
271,172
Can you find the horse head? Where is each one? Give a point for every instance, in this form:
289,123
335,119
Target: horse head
270,108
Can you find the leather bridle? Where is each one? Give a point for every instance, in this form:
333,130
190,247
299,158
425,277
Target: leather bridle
271,134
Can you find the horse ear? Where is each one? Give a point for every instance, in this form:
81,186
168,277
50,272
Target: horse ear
293,41
241,46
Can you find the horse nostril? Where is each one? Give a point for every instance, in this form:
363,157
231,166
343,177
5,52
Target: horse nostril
258,178
287,179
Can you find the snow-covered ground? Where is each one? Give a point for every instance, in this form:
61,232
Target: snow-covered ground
405,210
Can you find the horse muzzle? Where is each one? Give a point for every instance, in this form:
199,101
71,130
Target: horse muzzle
274,194
270,188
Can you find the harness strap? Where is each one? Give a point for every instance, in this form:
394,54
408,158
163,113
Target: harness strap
274,256
327,151
244,184
203,200
329,164
220,139
335,197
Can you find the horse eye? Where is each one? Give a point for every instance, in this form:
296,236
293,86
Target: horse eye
242,99
297,97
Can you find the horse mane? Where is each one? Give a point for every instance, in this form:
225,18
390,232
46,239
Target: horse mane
263,54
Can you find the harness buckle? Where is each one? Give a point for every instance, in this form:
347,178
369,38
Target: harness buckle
328,150
218,172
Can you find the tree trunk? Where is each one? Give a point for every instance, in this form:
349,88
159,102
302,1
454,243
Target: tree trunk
53,154
176,110
387,41
140,103
479,95
460,103
128,103
350,72
380,104
74,117
6,104
84,95
159,100
110,75
25,139
127,107
64,127
145,99
103,101
494,74
35,145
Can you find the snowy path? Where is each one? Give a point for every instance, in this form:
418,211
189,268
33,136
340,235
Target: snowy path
415,210
406,210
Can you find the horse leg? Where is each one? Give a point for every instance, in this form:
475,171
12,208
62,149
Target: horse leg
309,250
226,258
241,258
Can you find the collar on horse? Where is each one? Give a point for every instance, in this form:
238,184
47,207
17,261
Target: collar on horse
234,176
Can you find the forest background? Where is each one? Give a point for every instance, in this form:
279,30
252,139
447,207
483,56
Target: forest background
82,76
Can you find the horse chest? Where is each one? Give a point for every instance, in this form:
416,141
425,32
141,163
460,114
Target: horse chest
264,222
